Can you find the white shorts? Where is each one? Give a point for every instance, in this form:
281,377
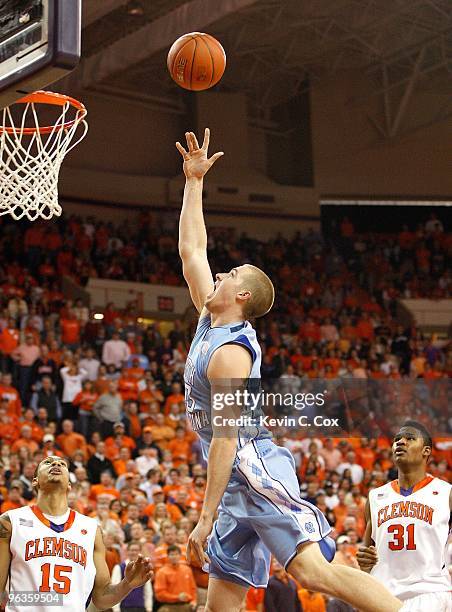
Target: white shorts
429,602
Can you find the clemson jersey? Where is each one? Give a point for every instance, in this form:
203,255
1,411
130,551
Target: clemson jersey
410,529
50,562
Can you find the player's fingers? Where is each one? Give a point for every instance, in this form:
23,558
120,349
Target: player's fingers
181,150
189,141
216,156
194,140
205,142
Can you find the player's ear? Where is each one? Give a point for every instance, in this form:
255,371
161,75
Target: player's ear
427,451
244,295
34,484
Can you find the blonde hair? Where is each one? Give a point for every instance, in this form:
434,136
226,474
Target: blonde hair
262,292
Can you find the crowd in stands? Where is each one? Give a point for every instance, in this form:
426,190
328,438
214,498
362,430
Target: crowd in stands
108,394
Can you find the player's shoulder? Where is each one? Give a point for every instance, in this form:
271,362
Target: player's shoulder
441,485
382,491
89,520
17,512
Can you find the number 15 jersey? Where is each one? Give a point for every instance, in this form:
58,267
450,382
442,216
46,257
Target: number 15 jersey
50,560
410,530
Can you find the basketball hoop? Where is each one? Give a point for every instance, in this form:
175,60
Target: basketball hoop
31,156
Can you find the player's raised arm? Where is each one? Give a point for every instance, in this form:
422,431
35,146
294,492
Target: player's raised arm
5,553
105,594
192,229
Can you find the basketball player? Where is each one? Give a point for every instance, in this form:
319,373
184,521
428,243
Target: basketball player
408,527
250,480
50,551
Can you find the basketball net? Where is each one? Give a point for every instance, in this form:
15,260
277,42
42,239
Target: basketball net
31,157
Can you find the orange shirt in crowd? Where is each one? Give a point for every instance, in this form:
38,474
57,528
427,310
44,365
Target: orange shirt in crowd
9,340
70,331
113,444
180,450
174,513
160,556
85,400
171,580
254,598
20,442
100,489
128,388
135,425
174,398
365,457
9,505
364,329
311,602
9,429
71,442
14,402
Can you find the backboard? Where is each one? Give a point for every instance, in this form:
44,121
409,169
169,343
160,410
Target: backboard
39,44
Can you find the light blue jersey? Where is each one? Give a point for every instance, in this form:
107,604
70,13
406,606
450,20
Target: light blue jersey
261,511
198,399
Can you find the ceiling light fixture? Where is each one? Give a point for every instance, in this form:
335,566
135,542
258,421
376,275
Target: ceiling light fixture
135,8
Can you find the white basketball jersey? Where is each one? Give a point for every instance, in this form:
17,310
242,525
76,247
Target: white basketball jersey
410,534
50,560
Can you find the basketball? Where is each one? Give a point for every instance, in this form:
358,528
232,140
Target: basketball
196,61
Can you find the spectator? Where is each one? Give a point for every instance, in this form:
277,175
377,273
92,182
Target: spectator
174,584
281,592
43,366
108,409
141,598
356,470
115,352
99,463
25,355
69,441
90,364
72,377
47,398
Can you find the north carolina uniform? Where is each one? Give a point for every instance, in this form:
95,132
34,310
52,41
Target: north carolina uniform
51,559
410,529
261,511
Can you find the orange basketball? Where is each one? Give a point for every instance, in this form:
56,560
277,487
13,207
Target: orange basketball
196,61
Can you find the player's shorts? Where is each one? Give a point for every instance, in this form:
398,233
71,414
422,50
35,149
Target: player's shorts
261,513
429,602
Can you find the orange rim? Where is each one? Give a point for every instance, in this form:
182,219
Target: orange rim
48,97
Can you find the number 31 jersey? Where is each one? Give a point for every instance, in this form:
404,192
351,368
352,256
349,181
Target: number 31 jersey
410,531
49,560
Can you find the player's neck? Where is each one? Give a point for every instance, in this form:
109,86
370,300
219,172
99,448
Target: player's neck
52,503
409,478
225,318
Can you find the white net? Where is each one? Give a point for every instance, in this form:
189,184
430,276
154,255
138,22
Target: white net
30,161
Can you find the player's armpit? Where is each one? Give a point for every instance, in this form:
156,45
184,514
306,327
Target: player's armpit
5,553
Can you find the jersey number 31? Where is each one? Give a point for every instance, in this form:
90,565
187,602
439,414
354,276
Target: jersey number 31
401,535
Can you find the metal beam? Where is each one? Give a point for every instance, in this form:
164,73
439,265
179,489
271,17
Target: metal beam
154,37
407,93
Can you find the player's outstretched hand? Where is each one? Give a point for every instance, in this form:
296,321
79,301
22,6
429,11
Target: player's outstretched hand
196,543
139,572
367,557
196,162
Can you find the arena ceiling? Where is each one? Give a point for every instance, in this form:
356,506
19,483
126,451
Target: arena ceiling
273,46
